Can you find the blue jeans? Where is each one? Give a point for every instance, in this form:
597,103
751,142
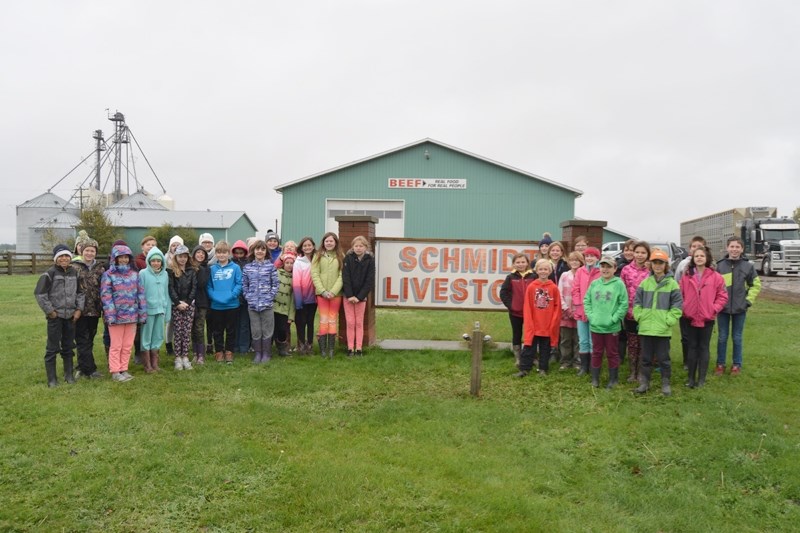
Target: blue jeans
724,321
584,337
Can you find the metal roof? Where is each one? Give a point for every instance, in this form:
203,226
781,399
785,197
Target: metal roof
195,219
48,199
138,200
62,220
578,192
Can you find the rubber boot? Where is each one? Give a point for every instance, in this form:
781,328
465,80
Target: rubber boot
516,349
201,353
323,345
266,350
148,366
613,377
666,389
154,360
50,368
69,377
595,377
283,348
138,359
585,360
170,349
702,370
331,344
644,380
259,354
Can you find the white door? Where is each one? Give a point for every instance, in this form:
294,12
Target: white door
390,215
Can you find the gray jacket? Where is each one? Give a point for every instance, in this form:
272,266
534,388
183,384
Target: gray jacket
58,290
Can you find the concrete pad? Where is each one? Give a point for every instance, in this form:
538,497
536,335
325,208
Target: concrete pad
409,344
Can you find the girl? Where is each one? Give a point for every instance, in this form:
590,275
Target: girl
582,279
704,296
290,246
200,263
182,291
544,246
174,242
569,326
632,276
556,255
284,303
155,281
259,286
358,278
240,252
657,308
512,294
124,306
90,273
305,299
326,272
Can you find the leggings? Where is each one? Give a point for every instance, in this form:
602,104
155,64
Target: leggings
304,322
182,329
354,316
328,314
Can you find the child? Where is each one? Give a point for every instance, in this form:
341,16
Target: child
174,242
568,334
542,316
240,252
544,246
704,296
182,291
632,275
284,303
201,304
358,279
206,240
147,244
124,306
743,285
580,244
273,246
259,286
305,299
61,298
224,288
155,281
605,304
696,242
512,294
625,258
657,308
326,272
289,246
556,255
90,272
583,278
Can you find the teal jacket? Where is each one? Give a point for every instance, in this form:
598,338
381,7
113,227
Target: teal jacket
605,305
156,287
658,306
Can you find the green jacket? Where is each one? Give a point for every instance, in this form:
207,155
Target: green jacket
326,274
658,306
284,300
605,305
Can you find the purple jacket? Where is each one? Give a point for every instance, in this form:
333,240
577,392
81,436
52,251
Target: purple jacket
121,291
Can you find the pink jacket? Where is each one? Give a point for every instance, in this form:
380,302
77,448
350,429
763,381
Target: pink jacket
703,301
583,278
632,276
565,283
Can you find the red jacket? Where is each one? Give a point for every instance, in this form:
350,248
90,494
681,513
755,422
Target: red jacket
512,291
580,286
703,301
542,312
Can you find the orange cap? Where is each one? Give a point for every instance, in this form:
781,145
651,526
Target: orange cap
659,255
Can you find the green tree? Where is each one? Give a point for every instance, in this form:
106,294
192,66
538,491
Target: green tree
796,215
99,227
165,232
51,237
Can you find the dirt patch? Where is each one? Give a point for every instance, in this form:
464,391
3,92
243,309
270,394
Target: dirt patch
785,289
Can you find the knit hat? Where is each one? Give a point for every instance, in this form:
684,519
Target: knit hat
59,250
176,238
289,255
206,237
591,250
546,239
119,242
272,235
181,249
81,240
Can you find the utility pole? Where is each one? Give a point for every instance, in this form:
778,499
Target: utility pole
99,147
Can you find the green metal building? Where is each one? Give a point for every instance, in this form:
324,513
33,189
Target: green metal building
429,190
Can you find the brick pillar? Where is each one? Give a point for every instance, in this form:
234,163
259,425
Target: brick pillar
592,229
351,226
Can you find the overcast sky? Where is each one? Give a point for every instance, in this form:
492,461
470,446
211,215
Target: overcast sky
658,111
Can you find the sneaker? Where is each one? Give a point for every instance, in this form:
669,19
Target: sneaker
127,376
95,375
201,360
521,374
219,357
542,372
78,374
229,357
563,367
178,364
349,353
735,370
186,364
719,370
118,376
359,353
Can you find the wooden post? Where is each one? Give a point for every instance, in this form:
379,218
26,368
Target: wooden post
33,263
10,265
477,360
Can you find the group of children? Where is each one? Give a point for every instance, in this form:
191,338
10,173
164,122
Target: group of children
586,306
215,298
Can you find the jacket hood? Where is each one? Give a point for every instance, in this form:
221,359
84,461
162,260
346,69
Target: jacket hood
239,244
198,247
155,252
119,250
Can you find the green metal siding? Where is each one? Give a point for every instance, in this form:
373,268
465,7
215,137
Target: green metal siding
241,229
498,203
612,236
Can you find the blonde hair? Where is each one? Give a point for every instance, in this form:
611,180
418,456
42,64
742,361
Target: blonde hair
363,240
544,262
222,246
577,256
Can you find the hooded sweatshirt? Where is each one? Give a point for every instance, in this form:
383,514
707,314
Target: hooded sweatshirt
224,286
542,312
156,286
584,277
605,304
121,291
632,275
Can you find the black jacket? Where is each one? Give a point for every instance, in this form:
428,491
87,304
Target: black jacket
184,288
358,276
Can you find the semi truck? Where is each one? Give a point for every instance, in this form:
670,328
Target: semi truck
772,243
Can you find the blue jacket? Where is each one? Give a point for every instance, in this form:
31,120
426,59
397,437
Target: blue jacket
224,286
260,285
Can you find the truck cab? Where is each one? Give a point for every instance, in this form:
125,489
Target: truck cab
773,244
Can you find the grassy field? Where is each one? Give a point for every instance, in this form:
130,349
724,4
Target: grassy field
393,441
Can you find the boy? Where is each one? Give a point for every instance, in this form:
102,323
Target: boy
224,288
147,244
743,285
581,243
90,272
273,245
541,320
605,305
61,298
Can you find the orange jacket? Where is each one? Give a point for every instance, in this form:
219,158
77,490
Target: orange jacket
542,312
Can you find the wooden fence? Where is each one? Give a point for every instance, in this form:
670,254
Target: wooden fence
19,263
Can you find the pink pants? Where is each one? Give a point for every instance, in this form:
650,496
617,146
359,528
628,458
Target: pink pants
354,316
119,354
328,314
